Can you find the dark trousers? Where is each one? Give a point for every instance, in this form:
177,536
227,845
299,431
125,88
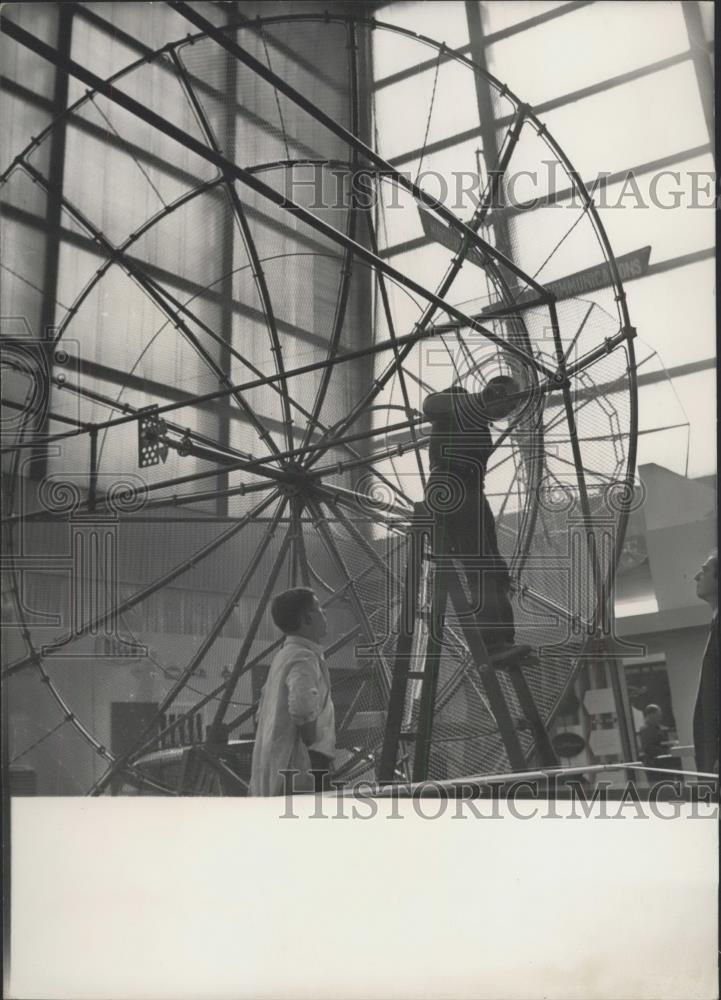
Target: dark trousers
490,596
468,534
706,712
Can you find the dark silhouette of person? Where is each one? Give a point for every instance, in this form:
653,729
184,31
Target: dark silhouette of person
706,711
463,523
653,736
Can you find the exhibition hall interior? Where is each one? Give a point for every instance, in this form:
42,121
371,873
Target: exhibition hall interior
246,249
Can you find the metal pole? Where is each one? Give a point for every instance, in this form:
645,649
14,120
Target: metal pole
195,436
403,660
383,345
611,343
184,308
59,417
146,488
360,502
93,476
431,670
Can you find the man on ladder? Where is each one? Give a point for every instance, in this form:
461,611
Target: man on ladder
463,525
470,571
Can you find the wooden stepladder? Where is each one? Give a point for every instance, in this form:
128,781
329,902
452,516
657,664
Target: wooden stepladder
439,577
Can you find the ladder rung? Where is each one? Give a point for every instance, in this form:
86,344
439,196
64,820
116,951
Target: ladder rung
409,736
416,674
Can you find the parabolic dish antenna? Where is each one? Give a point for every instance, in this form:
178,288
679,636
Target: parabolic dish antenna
235,378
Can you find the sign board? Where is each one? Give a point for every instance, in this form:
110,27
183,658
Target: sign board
590,279
599,701
568,744
605,742
447,237
630,265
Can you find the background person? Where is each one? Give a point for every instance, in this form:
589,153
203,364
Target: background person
706,712
296,719
653,737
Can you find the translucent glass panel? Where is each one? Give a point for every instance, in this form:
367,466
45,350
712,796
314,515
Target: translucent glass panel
675,312
24,244
19,123
638,606
673,211
697,394
21,274
691,398
393,52
269,126
632,124
20,118
19,63
500,14
428,266
99,51
451,175
397,216
554,242
105,50
155,25
409,116
586,46
114,143
405,309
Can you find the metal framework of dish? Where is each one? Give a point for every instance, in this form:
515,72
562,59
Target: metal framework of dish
304,471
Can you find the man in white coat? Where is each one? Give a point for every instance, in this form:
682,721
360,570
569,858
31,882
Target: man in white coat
296,719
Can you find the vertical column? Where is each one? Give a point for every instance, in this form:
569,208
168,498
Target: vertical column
228,238
702,64
53,217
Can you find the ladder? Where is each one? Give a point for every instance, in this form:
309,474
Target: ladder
446,585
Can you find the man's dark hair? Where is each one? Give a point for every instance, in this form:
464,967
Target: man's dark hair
502,385
287,609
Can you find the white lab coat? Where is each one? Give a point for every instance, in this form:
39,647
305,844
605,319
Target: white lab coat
297,691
